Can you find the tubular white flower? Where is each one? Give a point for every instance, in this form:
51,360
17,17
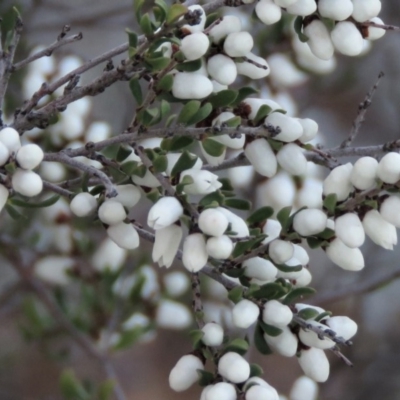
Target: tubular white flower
220,247
124,235
229,24
304,388
238,225
380,231
4,193
319,40
27,183
310,129
189,85
309,222
343,326
108,255
291,129
166,245
314,364
83,204
221,391
349,230
364,10
345,257
284,344
375,33
261,157
273,229
29,156
53,269
338,182
364,173
128,195
390,210
194,253
347,39
310,338
245,314
280,251
251,70
173,315
268,12
389,168
238,44
204,181
194,46
213,334
212,222
165,212
259,268
338,10
234,367
258,392
222,69
292,159
302,7
10,138
111,212
184,373
277,314
200,26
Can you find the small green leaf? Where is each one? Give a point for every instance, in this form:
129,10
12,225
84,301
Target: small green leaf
105,390
237,345
243,93
259,341
158,63
371,203
226,184
298,294
261,215
233,122
330,202
323,315
136,90
270,291
284,217
132,39
165,83
160,164
216,196
270,330
242,247
256,370
287,269
71,388
13,213
137,6
128,167
130,337
176,143
185,161
148,116
45,203
308,313
275,144
153,195
123,153
189,66
235,272
298,27
175,12
223,98
160,10
212,147
327,234
201,115
205,378
236,294
262,112
146,25
195,336
315,243
238,204
188,111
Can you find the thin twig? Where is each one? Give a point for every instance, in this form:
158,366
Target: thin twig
197,303
57,189
382,26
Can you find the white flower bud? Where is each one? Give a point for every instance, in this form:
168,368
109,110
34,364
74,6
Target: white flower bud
310,338
301,255
27,183
124,235
176,283
194,46
345,257
343,326
338,182
347,39
166,245
303,278
314,364
302,7
200,26
309,222
111,212
310,194
364,173
390,210
389,168
284,3
4,193
302,306
319,40
380,231
10,138
255,105
233,367
304,388
204,182
212,222
251,70
280,251
128,195
29,156
108,255
277,314
53,269
292,159
191,86
220,247
184,373
194,251
258,392
238,225
375,33
349,230
4,154
364,10
338,10
173,315
238,44
284,344
164,212
268,12
259,268
97,132
310,129
83,204
229,24
245,314
222,69
213,334
261,157
291,129
273,229
221,391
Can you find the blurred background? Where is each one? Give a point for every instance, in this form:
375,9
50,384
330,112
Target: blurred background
29,372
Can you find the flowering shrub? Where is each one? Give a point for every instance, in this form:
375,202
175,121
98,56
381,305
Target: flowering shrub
205,124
